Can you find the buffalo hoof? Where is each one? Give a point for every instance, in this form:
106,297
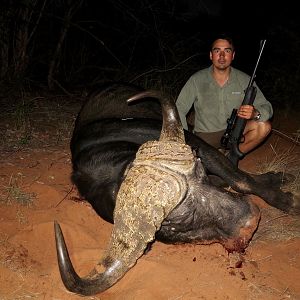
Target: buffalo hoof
287,178
295,208
274,179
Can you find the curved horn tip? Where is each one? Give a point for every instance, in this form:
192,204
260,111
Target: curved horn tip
56,224
144,94
57,229
61,247
71,280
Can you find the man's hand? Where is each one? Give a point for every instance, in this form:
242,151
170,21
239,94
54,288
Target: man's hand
246,112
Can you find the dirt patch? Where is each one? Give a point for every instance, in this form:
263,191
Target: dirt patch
36,190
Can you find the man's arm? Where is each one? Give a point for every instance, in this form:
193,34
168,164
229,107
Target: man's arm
263,106
261,109
185,101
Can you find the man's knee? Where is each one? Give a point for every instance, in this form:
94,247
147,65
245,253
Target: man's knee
260,129
264,128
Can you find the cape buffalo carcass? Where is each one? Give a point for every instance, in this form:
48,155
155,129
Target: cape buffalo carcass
150,178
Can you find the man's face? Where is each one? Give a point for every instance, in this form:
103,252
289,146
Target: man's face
221,54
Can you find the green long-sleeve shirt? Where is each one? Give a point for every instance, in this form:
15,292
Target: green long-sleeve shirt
213,104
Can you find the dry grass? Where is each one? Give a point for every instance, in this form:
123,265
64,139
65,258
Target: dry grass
260,291
276,225
14,193
24,295
286,161
282,160
37,122
13,257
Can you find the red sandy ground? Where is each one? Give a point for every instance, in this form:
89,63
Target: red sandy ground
270,268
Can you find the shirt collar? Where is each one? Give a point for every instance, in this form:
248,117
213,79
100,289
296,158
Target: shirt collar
231,74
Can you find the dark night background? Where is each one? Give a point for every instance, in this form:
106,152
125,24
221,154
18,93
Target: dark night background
63,46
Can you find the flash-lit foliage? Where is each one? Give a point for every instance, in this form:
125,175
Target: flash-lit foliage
64,44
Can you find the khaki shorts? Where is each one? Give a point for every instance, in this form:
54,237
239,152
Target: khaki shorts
212,138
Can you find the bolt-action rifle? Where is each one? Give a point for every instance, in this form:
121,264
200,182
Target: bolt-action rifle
233,135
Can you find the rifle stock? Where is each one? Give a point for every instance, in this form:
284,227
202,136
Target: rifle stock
231,121
234,132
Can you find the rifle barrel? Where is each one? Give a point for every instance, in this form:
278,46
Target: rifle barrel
235,134
262,45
